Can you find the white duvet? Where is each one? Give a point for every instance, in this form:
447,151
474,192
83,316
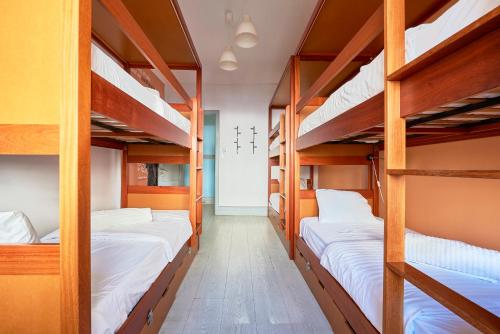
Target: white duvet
370,80
358,267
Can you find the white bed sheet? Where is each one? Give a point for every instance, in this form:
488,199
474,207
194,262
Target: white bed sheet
370,80
126,259
108,69
275,143
319,235
274,201
358,267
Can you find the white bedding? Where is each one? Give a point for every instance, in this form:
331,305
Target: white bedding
370,80
126,259
275,143
108,69
274,201
358,267
319,235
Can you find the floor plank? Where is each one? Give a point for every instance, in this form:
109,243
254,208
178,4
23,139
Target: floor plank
242,282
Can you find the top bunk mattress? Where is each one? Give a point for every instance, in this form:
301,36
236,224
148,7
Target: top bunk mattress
108,69
370,79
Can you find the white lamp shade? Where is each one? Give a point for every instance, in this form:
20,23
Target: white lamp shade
228,60
246,35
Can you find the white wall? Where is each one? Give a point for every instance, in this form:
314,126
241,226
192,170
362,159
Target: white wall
242,178
30,184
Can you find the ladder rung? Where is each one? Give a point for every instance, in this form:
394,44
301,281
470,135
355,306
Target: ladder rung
478,174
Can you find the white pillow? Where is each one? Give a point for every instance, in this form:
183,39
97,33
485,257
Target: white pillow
106,218
340,206
15,227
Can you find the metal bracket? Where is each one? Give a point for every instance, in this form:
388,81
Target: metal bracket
308,266
149,318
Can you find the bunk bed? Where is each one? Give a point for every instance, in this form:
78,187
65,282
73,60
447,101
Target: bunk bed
405,108
103,102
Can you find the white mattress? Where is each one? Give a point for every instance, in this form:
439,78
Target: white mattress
319,235
107,68
275,172
274,201
127,259
358,267
370,80
275,143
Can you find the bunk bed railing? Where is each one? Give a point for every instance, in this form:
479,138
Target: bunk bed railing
133,31
369,31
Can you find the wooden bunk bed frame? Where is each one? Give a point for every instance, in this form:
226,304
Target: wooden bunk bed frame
63,125
414,113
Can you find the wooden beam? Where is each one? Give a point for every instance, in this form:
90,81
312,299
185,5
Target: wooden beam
333,160
136,35
310,25
395,157
21,139
274,131
293,156
476,174
185,30
331,57
159,159
74,169
368,32
118,105
31,259
157,190
422,131
124,179
283,75
477,316
192,171
108,143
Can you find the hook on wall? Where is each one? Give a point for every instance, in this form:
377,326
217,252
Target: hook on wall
237,141
253,139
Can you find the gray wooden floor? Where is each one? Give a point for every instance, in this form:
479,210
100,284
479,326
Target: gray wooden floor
241,281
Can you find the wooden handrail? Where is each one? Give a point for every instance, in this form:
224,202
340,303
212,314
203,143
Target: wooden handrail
480,318
136,35
274,131
368,32
477,174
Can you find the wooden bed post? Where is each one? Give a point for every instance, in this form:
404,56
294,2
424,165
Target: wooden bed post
74,170
293,155
193,173
124,190
395,146
199,153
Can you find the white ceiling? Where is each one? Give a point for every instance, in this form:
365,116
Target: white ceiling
279,24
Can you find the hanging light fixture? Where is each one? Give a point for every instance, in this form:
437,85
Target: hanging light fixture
246,34
228,61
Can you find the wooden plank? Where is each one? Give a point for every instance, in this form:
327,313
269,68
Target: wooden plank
476,60
124,179
311,193
368,32
476,174
136,35
23,139
108,143
274,131
395,157
192,171
477,316
116,104
292,174
29,259
474,31
157,190
74,169
158,159
364,116
159,201
333,160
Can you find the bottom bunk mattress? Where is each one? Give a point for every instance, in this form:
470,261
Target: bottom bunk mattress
126,258
358,267
274,201
318,235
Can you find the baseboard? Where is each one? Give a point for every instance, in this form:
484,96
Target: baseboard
241,210
208,200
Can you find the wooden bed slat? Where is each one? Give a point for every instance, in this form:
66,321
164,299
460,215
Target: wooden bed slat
133,31
478,174
474,314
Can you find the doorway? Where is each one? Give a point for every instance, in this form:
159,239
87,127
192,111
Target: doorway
210,130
